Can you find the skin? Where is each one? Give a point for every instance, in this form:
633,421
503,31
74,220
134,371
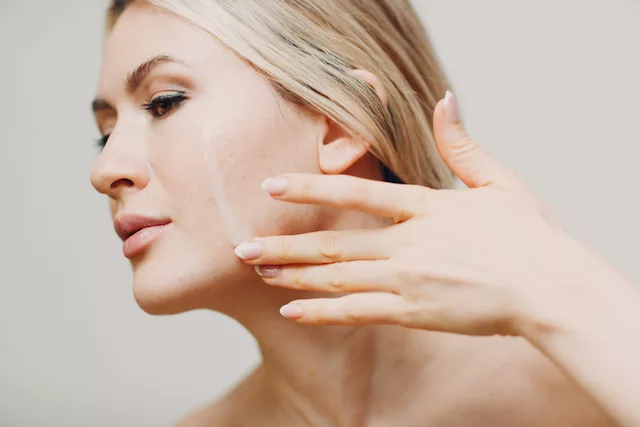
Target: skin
342,375
563,298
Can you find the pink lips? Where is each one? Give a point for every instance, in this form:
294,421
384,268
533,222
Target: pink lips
138,232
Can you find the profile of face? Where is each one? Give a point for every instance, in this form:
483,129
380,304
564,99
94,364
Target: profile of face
185,116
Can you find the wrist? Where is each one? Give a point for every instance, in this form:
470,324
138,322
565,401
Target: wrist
582,294
590,320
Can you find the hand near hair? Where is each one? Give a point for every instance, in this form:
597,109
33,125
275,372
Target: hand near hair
485,260
476,261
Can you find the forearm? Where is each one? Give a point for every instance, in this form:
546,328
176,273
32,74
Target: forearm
597,341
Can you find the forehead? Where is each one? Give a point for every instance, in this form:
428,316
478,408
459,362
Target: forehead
144,31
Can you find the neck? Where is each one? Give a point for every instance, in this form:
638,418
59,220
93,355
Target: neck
329,375
324,375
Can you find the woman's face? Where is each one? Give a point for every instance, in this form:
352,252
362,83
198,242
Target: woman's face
186,118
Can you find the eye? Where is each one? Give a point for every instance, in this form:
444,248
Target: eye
102,141
164,104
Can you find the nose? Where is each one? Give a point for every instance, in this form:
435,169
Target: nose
120,167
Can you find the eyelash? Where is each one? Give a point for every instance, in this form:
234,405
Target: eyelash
165,102
102,141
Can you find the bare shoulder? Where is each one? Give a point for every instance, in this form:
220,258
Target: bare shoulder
224,412
569,404
537,392
209,415
229,410
499,381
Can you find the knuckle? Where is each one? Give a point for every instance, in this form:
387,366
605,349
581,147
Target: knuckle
297,277
413,199
464,148
359,194
305,188
330,248
336,280
320,315
401,215
421,315
413,294
464,144
352,315
411,316
336,284
283,250
411,276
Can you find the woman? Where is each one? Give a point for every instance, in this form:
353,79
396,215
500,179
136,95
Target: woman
198,102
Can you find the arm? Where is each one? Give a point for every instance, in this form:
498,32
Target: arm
597,340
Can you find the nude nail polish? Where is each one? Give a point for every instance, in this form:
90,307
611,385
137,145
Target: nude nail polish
451,111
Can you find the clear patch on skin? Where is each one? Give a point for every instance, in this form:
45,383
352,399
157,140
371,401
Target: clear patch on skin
212,144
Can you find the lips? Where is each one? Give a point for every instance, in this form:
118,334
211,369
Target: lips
138,232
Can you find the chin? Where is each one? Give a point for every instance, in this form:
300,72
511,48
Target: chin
170,281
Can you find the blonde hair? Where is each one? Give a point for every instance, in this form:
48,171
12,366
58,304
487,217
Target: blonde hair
306,49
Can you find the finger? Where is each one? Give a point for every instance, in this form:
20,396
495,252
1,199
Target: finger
320,247
356,309
354,276
397,201
470,162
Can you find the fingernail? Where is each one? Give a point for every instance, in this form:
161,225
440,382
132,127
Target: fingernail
451,108
292,311
249,250
268,272
275,186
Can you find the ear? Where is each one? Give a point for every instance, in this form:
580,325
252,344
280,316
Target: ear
373,81
338,150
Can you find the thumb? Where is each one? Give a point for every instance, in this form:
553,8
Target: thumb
472,164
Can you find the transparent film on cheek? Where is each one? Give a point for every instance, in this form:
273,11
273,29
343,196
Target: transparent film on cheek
232,223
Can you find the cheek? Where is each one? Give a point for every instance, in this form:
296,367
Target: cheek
179,173
242,157
211,159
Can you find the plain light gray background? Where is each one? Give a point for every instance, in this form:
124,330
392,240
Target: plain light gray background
550,87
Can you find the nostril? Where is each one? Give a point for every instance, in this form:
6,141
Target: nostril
123,181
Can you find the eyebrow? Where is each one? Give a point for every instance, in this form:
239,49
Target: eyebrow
100,104
136,78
